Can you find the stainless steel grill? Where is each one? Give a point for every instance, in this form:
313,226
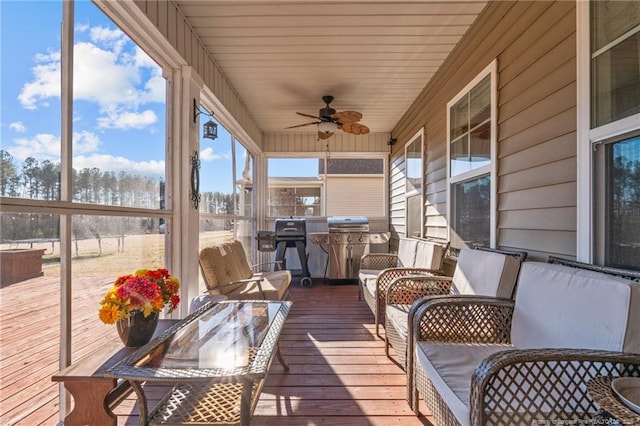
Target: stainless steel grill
348,242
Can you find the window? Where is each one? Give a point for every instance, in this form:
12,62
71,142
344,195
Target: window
226,191
614,55
471,140
622,204
216,173
111,219
615,61
413,186
354,186
326,187
295,187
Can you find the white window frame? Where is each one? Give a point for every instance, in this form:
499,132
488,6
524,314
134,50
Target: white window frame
417,138
588,141
491,169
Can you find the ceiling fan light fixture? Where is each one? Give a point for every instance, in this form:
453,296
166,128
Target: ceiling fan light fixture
327,127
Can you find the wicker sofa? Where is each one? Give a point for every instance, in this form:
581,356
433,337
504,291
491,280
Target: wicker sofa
480,360
226,271
480,271
377,270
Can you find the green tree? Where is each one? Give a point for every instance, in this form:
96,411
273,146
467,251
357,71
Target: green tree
8,174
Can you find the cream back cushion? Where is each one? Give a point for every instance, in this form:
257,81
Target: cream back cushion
407,252
239,256
429,255
562,307
485,273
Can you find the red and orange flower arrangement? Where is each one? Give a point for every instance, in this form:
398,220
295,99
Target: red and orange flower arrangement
147,291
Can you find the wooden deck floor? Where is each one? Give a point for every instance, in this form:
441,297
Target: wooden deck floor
338,374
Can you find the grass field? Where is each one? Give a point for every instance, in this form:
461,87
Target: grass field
112,256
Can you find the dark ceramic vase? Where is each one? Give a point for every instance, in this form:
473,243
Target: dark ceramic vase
137,330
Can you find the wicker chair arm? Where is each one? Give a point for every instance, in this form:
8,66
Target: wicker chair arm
523,386
378,261
406,290
254,280
387,275
463,319
278,263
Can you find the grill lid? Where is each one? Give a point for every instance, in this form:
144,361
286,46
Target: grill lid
291,228
348,224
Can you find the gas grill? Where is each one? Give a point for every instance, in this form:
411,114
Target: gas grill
348,242
292,233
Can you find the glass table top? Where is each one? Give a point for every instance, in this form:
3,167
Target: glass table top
226,338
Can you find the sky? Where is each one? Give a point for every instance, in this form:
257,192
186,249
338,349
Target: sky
119,99
119,95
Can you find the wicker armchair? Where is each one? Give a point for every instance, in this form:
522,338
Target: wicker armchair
415,256
528,360
481,271
226,271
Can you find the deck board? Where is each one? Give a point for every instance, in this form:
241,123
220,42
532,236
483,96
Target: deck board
339,374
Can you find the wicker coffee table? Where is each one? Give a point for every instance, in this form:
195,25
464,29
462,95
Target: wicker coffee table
216,359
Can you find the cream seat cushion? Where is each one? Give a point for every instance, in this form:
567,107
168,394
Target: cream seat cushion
398,315
366,275
450,366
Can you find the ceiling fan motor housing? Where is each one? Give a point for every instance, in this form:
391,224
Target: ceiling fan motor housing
325,113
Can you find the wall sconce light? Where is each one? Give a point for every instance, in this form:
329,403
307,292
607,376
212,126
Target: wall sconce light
210,128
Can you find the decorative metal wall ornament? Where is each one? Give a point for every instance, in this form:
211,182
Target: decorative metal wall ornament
195,179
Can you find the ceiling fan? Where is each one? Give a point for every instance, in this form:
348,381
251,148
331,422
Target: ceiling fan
328,121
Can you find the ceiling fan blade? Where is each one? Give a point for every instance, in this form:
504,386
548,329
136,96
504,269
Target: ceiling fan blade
322,135
355,129
308,115
347,117
302,125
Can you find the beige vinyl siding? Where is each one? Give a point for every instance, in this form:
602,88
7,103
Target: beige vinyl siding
535,44
355,195
172,25
340,142
397,201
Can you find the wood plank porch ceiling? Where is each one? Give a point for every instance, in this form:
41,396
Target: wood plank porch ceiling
372,56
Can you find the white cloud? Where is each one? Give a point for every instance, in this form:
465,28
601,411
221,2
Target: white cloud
207,154
85,142
18,127
119,81
45,85
45,146
141,59
118,164
42,146
127,120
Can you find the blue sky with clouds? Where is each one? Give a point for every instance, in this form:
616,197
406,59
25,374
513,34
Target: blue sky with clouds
119,94
119,97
